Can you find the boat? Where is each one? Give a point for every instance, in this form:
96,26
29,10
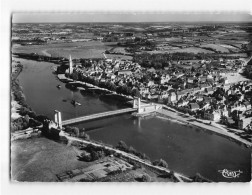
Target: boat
58,86
75,103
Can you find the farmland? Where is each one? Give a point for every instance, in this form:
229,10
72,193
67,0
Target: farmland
90,49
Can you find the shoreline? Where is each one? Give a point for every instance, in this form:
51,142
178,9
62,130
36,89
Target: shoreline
175,117
179,176
22,117
15,105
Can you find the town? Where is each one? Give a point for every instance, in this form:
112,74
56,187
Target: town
195,76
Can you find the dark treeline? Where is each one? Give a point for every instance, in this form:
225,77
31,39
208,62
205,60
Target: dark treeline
163,60
28,117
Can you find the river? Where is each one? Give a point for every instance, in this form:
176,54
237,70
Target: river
186,149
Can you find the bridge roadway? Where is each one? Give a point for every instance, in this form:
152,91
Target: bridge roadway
98,115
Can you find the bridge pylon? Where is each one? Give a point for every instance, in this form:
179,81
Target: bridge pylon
58,119
137,104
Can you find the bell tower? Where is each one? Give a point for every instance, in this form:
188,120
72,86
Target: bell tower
70,65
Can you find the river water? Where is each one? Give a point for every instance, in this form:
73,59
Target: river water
186,149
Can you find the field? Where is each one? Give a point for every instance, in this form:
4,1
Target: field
184,50
90,49
40,159
215,47
192,50
119,56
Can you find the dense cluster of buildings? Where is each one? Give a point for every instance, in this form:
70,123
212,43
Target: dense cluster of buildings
203,92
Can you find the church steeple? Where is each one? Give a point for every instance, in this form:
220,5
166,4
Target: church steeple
70,65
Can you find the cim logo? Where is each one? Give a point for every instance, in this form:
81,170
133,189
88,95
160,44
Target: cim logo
230,174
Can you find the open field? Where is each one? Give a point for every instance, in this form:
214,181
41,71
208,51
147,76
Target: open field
90,49
215,47
184,50
119,56
40,159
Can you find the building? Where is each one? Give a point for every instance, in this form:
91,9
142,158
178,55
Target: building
244,122
194,106
212,115
172,97
70,65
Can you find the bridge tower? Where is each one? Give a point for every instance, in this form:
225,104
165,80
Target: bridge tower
57,119
137,104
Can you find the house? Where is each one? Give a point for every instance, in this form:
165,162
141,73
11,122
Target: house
191,80
150,83
151,70
202,79
151,96
209,90
212,115
180,94
203,86
244,122
163,95
164,79
247,105
143,90
124,72
182,102
194,106
172,97
199,97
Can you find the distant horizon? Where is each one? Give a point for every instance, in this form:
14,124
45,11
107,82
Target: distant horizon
134,17
228,22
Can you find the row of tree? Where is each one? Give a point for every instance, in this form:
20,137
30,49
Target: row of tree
161,60
129,149
93,153
28,117
76,132
124,89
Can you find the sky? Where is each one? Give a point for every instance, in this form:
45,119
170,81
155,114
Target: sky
48,17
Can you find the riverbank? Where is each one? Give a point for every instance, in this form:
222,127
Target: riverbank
15,105
89,86
188,120
180,177
22,116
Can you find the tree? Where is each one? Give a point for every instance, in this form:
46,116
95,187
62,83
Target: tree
84,135
132,150
108,84
145,178
136,93
113,87
161,163
119,89
76,131
96,82
75,76
145,78
122,146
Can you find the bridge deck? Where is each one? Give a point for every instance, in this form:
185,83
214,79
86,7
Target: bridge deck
99,115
